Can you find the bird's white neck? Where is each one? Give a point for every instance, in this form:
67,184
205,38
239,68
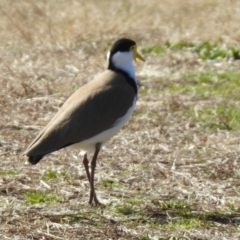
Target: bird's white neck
124,61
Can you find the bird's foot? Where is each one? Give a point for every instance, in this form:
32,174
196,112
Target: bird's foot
92,198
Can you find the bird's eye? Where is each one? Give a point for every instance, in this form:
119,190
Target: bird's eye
132,47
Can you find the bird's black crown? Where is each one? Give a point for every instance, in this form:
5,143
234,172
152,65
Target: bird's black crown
122,45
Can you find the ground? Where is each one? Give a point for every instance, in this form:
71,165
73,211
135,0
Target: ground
173,170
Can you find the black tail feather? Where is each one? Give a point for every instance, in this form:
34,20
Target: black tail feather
34,159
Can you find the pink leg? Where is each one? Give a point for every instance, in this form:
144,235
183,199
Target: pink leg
85,163
93,166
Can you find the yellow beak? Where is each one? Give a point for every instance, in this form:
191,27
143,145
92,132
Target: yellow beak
136,54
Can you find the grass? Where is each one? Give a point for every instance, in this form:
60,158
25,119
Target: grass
33,197
173,204
185,223
209,84
172,172
205,50
109,183
218,85
221,117
50,174
125,210
156,49
9,172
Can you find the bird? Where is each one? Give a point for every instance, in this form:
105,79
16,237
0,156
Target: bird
94,113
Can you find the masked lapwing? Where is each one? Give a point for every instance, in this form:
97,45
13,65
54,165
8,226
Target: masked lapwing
94,113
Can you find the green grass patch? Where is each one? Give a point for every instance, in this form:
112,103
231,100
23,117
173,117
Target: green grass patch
33,197
176,215
223,117
205,50
109,183
186,222
178,45
126,209
66,176
50,174
235,207
173,204
146,238
137,200
155,49
175,219
220,117
209,50
209,84
9,172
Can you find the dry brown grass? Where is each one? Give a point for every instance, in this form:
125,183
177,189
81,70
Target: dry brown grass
50,48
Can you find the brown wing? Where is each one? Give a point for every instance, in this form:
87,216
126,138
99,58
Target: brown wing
93,108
